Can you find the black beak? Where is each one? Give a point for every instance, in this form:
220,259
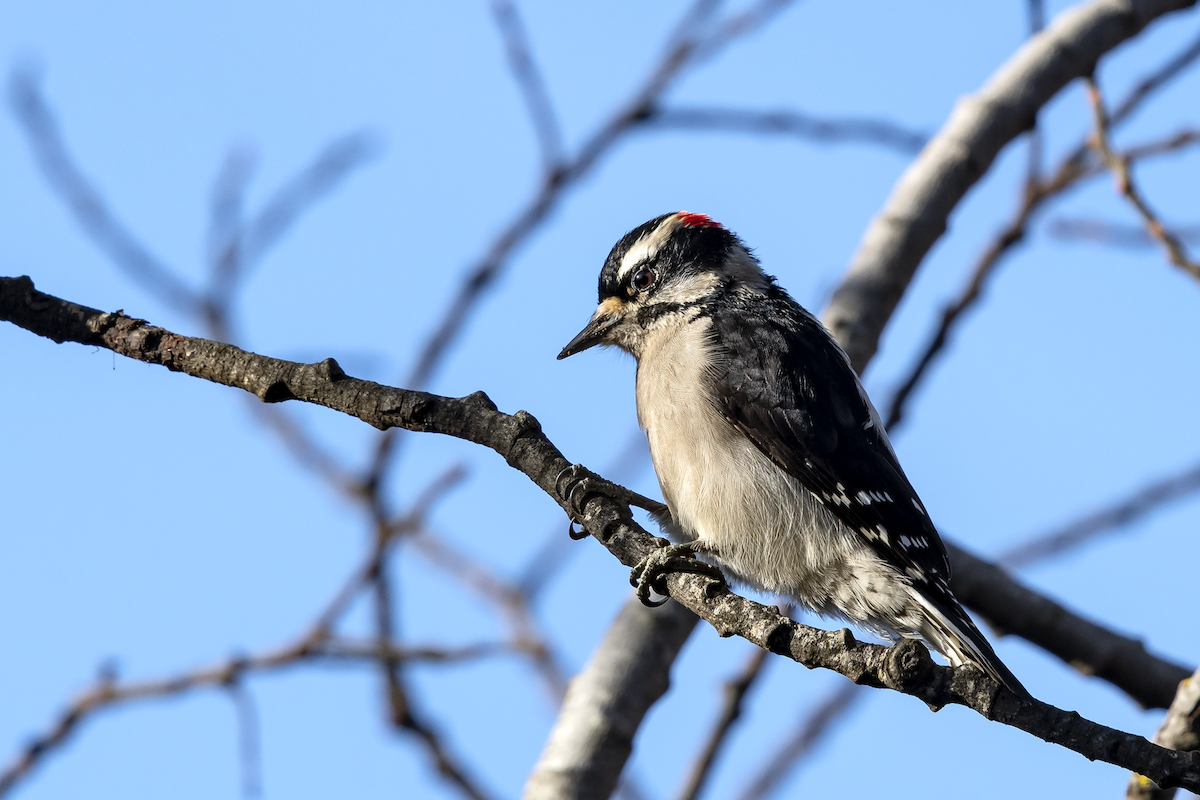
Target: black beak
592,335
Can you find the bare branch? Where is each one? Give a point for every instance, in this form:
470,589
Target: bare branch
735,691
1142,502
906,667
802,742
593,735
226,214
1180,730
1121,170
314,644
249,756
1153,82
738,26
687,49
788,123
107,692
1114,233
246,245
1010,607
529,81
85,202
1071,171
345,649
915,215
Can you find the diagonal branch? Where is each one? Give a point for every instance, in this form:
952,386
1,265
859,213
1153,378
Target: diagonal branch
802,741
1115,234
906,667
1145,500
1072,170
734,691
1123,173
90,209
914,216
1079,164
530,82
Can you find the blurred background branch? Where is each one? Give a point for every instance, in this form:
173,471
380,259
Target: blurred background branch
678,94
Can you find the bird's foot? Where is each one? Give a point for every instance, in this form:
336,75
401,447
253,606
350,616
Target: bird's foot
577,483
650,570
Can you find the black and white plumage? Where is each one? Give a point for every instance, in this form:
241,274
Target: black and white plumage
770,456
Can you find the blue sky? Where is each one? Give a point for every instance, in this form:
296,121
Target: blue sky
151,523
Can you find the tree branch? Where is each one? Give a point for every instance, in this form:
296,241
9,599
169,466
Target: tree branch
1011,607
530,82
789,123
1120,167
802,741
735,691
906,667
1180,730
1144,501
915,214
593,734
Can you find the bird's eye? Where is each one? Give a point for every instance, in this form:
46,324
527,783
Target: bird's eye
644,279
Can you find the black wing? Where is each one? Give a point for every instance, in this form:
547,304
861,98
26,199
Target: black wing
789,388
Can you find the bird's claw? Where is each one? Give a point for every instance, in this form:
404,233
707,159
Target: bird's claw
650,570
577,483
578,478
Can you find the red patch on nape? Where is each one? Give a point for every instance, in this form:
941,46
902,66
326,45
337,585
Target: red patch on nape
697,220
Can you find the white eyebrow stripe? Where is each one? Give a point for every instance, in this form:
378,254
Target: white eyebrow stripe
647,246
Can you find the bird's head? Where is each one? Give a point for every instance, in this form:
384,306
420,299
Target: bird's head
661,270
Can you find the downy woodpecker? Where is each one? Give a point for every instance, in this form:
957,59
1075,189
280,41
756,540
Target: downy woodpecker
772,460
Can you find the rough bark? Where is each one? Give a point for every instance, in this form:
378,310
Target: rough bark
916,213
1180,730
907,667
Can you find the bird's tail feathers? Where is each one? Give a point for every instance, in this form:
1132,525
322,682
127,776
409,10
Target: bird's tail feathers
952,633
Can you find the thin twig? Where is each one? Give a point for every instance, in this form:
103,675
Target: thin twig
530,82
789,123
93,214
735,691
1120,166
1076,167
1142,502
1113,234
917,211
249,751
1155,81
246,245
226,213
802,742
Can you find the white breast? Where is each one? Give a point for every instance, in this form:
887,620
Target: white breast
757,521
